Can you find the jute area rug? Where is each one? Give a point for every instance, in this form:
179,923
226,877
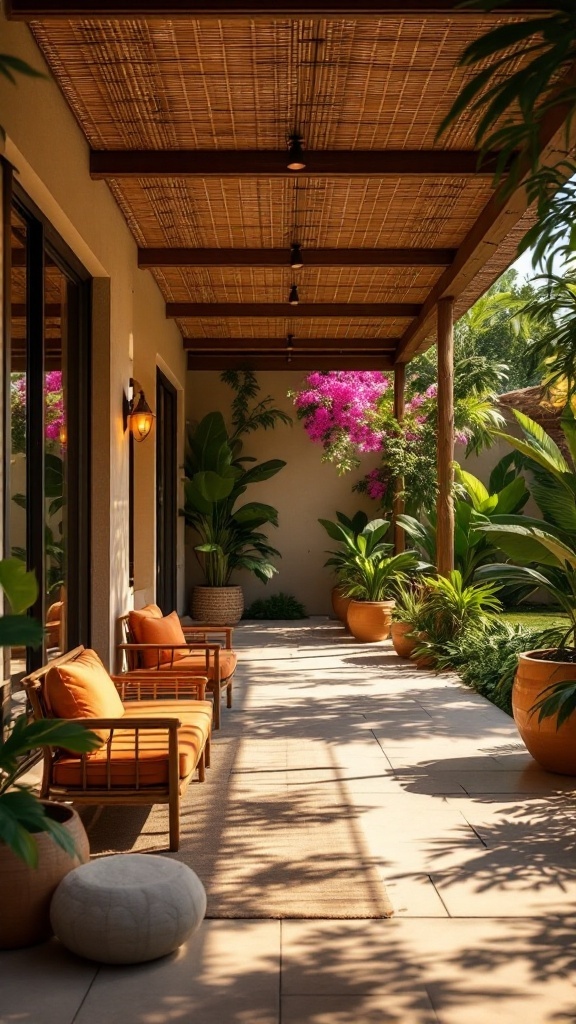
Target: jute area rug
263,847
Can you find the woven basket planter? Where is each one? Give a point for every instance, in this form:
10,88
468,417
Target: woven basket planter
219,606
27,892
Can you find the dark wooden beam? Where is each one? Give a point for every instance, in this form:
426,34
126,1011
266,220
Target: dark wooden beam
34,10
51,309
253,361
218,163
288,312
342,346
149,258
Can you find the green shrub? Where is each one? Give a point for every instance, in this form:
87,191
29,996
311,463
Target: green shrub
486,659
277,606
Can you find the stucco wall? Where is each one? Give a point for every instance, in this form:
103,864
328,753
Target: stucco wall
130,332
305,490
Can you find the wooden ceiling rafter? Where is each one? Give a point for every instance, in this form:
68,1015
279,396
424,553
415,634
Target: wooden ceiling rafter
232,163
341,346
177,310
149,257
34,10
288,361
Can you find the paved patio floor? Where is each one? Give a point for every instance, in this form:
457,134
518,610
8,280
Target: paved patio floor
476,846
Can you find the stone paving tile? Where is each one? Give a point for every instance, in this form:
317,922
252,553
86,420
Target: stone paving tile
227,972
43,985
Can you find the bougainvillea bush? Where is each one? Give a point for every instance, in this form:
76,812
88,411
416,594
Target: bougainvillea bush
350,414
53,410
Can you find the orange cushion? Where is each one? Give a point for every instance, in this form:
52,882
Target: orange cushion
160,631
196,720
150,611
83,689
201,663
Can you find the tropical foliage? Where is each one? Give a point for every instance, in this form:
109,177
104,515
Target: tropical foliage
525,76
216,477
277,606
475,504
365,569
452,608
351,414
21,813
544,552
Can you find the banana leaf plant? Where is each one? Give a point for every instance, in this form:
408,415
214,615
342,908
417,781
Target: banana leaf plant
542,551
217,475
476,504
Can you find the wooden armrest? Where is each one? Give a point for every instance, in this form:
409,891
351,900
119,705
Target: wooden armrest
146,679
207,628
169,647
172,724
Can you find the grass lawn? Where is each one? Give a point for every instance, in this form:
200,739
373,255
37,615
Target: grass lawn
535,618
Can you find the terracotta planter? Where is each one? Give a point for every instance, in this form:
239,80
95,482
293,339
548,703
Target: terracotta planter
403,645
340,604
370,621
27,892
554,749
218,606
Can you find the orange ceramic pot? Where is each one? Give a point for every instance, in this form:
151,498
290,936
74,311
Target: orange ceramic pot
403,645
340,604
554,749
370,621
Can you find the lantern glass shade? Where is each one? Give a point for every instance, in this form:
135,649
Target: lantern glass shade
141,417
296,161
296,260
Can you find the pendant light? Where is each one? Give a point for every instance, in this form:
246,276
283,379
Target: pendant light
293,298
296,260
296,160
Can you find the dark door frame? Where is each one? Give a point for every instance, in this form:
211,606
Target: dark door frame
166,491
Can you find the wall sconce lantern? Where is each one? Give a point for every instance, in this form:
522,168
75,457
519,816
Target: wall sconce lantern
139,415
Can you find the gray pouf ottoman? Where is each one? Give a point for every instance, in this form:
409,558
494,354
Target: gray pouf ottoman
127,908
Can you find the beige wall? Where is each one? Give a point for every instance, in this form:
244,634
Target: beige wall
305,490
130,332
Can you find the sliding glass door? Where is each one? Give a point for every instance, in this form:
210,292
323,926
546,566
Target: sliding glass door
48,456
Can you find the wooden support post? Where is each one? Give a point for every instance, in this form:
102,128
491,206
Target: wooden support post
444,503
398,500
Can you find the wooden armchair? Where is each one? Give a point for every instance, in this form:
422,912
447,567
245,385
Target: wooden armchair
156,643
150,747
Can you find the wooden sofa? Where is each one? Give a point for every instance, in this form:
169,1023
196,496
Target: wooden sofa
150,747
199,649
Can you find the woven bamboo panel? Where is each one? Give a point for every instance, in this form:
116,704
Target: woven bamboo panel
323,327
334,284
241,84
251,214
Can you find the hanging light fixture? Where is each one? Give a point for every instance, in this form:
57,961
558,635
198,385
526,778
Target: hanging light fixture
296,161
289,339
296,260
293,298
140,415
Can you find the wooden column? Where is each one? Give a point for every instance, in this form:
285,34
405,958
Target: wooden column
444,503
398,500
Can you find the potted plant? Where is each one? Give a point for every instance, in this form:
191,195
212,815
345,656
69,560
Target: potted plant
229,534
449,609
369,578
40,841
409,619
544,553
346,532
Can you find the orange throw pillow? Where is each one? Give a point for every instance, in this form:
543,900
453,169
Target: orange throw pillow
161,631
135,620
83,689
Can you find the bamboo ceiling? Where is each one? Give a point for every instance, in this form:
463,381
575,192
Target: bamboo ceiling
347,85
